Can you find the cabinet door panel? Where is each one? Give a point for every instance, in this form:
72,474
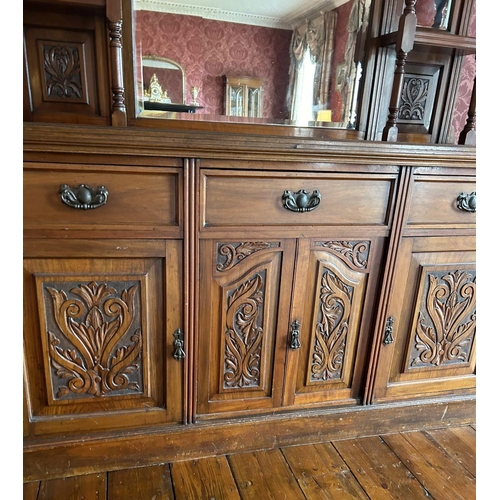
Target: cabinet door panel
244,302
434,310
95,343
332,303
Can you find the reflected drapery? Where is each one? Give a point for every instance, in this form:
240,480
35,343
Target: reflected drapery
358,21
298,46
319,38
324,69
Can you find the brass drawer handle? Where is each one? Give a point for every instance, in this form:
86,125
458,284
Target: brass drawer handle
467,202
83,197
301,201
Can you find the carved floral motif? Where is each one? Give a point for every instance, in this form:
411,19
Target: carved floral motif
236,252
244,333
91,356
354,252
62,72
414,99
447,321
332,328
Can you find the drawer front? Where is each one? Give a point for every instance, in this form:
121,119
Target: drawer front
142,200
436,200
234,199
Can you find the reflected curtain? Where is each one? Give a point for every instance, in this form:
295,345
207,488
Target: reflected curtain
298,46
358,21
324,69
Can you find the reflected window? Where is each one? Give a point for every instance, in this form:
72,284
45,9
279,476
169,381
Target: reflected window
302,109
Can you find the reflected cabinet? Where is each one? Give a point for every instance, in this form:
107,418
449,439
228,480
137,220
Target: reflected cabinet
244,96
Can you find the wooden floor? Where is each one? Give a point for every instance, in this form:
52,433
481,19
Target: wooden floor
432,464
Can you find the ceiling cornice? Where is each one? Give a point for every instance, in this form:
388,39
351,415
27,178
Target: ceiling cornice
211,13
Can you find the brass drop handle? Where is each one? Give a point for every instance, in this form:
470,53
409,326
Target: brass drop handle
83,197
294,335
467,202
179,345
301,201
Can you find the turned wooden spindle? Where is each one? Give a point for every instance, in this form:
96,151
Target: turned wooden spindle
114,17
404,44
468,134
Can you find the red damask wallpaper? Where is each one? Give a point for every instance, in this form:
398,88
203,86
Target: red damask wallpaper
467,77
208,50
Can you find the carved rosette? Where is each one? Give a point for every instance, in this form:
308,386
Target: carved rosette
446,320
230,254
331,328
63,78
354,253
95,339
244,333
414,99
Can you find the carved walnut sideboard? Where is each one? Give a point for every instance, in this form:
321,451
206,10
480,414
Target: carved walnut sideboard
202,290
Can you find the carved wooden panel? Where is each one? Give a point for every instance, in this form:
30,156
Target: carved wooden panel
333,295
244,334
239,322
94,338
99,340
230,254
418,95
67,71
433,305
445,322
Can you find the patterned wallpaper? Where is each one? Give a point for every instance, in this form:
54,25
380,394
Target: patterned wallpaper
467,77
211,49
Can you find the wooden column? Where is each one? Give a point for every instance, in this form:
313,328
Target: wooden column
115,21
468,134
404,44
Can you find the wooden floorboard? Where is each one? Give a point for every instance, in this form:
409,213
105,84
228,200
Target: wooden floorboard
437,464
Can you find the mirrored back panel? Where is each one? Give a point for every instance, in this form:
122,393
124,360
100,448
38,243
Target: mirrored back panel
281,62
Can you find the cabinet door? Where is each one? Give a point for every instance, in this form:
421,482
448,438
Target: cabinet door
334,290
429,346
99,328
245,291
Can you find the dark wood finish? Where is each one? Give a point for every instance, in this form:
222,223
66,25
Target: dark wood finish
77,34
434,202
321,472
468,134
195,240
109,245
404,43
434,333
353,200
92,487
114,17
415,464
155,195
143,483
207,478
46,457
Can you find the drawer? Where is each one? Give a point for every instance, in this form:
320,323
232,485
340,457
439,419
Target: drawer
256,199
435,200
135,200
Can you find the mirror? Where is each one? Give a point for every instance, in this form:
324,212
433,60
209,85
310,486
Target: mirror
306,55
433,13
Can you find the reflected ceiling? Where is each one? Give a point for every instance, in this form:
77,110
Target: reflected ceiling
283,14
